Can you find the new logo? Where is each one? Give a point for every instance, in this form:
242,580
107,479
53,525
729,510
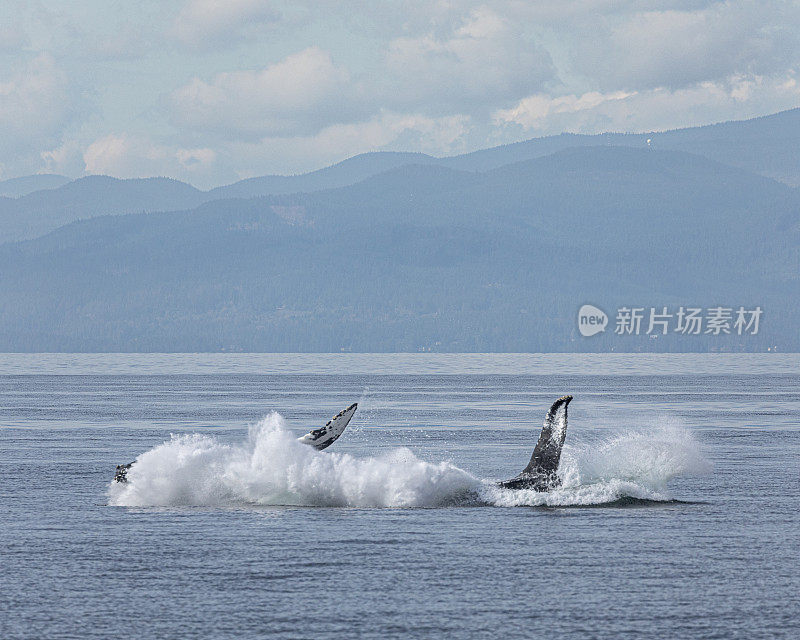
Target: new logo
591,320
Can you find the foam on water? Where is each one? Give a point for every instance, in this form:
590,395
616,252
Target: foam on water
271,468
633,464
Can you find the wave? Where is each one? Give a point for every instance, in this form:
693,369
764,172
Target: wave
271,468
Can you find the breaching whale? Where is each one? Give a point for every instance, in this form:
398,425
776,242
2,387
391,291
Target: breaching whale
324,437
541,474
318,438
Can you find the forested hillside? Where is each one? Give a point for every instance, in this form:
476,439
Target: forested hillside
423,257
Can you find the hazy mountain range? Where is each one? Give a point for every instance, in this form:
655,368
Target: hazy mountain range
490,251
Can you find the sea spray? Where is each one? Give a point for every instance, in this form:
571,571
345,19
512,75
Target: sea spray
271,468
633,464
648,457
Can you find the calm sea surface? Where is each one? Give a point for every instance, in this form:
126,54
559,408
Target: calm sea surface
679,515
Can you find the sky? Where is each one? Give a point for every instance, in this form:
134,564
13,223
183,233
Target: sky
213,91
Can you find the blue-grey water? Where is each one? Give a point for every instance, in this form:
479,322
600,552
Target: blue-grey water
678,516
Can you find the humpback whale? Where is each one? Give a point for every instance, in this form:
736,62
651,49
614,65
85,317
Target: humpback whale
324,437
541,474
320,438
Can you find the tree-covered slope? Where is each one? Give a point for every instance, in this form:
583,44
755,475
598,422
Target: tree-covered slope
421,257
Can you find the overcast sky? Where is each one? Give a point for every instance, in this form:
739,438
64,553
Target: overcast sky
211,91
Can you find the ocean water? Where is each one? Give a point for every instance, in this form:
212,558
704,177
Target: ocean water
679,514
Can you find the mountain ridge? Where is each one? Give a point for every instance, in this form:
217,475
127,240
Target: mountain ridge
765,145
500,262
23,185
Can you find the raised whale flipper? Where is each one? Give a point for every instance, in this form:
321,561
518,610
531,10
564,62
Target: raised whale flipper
547,454
541,472
325,436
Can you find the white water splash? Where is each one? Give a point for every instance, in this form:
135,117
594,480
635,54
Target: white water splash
634,464
271,468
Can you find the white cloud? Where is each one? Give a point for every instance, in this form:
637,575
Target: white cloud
35,105
298,95
67,159
194,158
125,156
653,109
206,24
441,77
486,60
533,112
679,48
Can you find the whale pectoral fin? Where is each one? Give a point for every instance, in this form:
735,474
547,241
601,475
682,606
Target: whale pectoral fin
325,436
540,474
547,453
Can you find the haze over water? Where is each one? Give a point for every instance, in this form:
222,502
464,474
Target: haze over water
678,515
